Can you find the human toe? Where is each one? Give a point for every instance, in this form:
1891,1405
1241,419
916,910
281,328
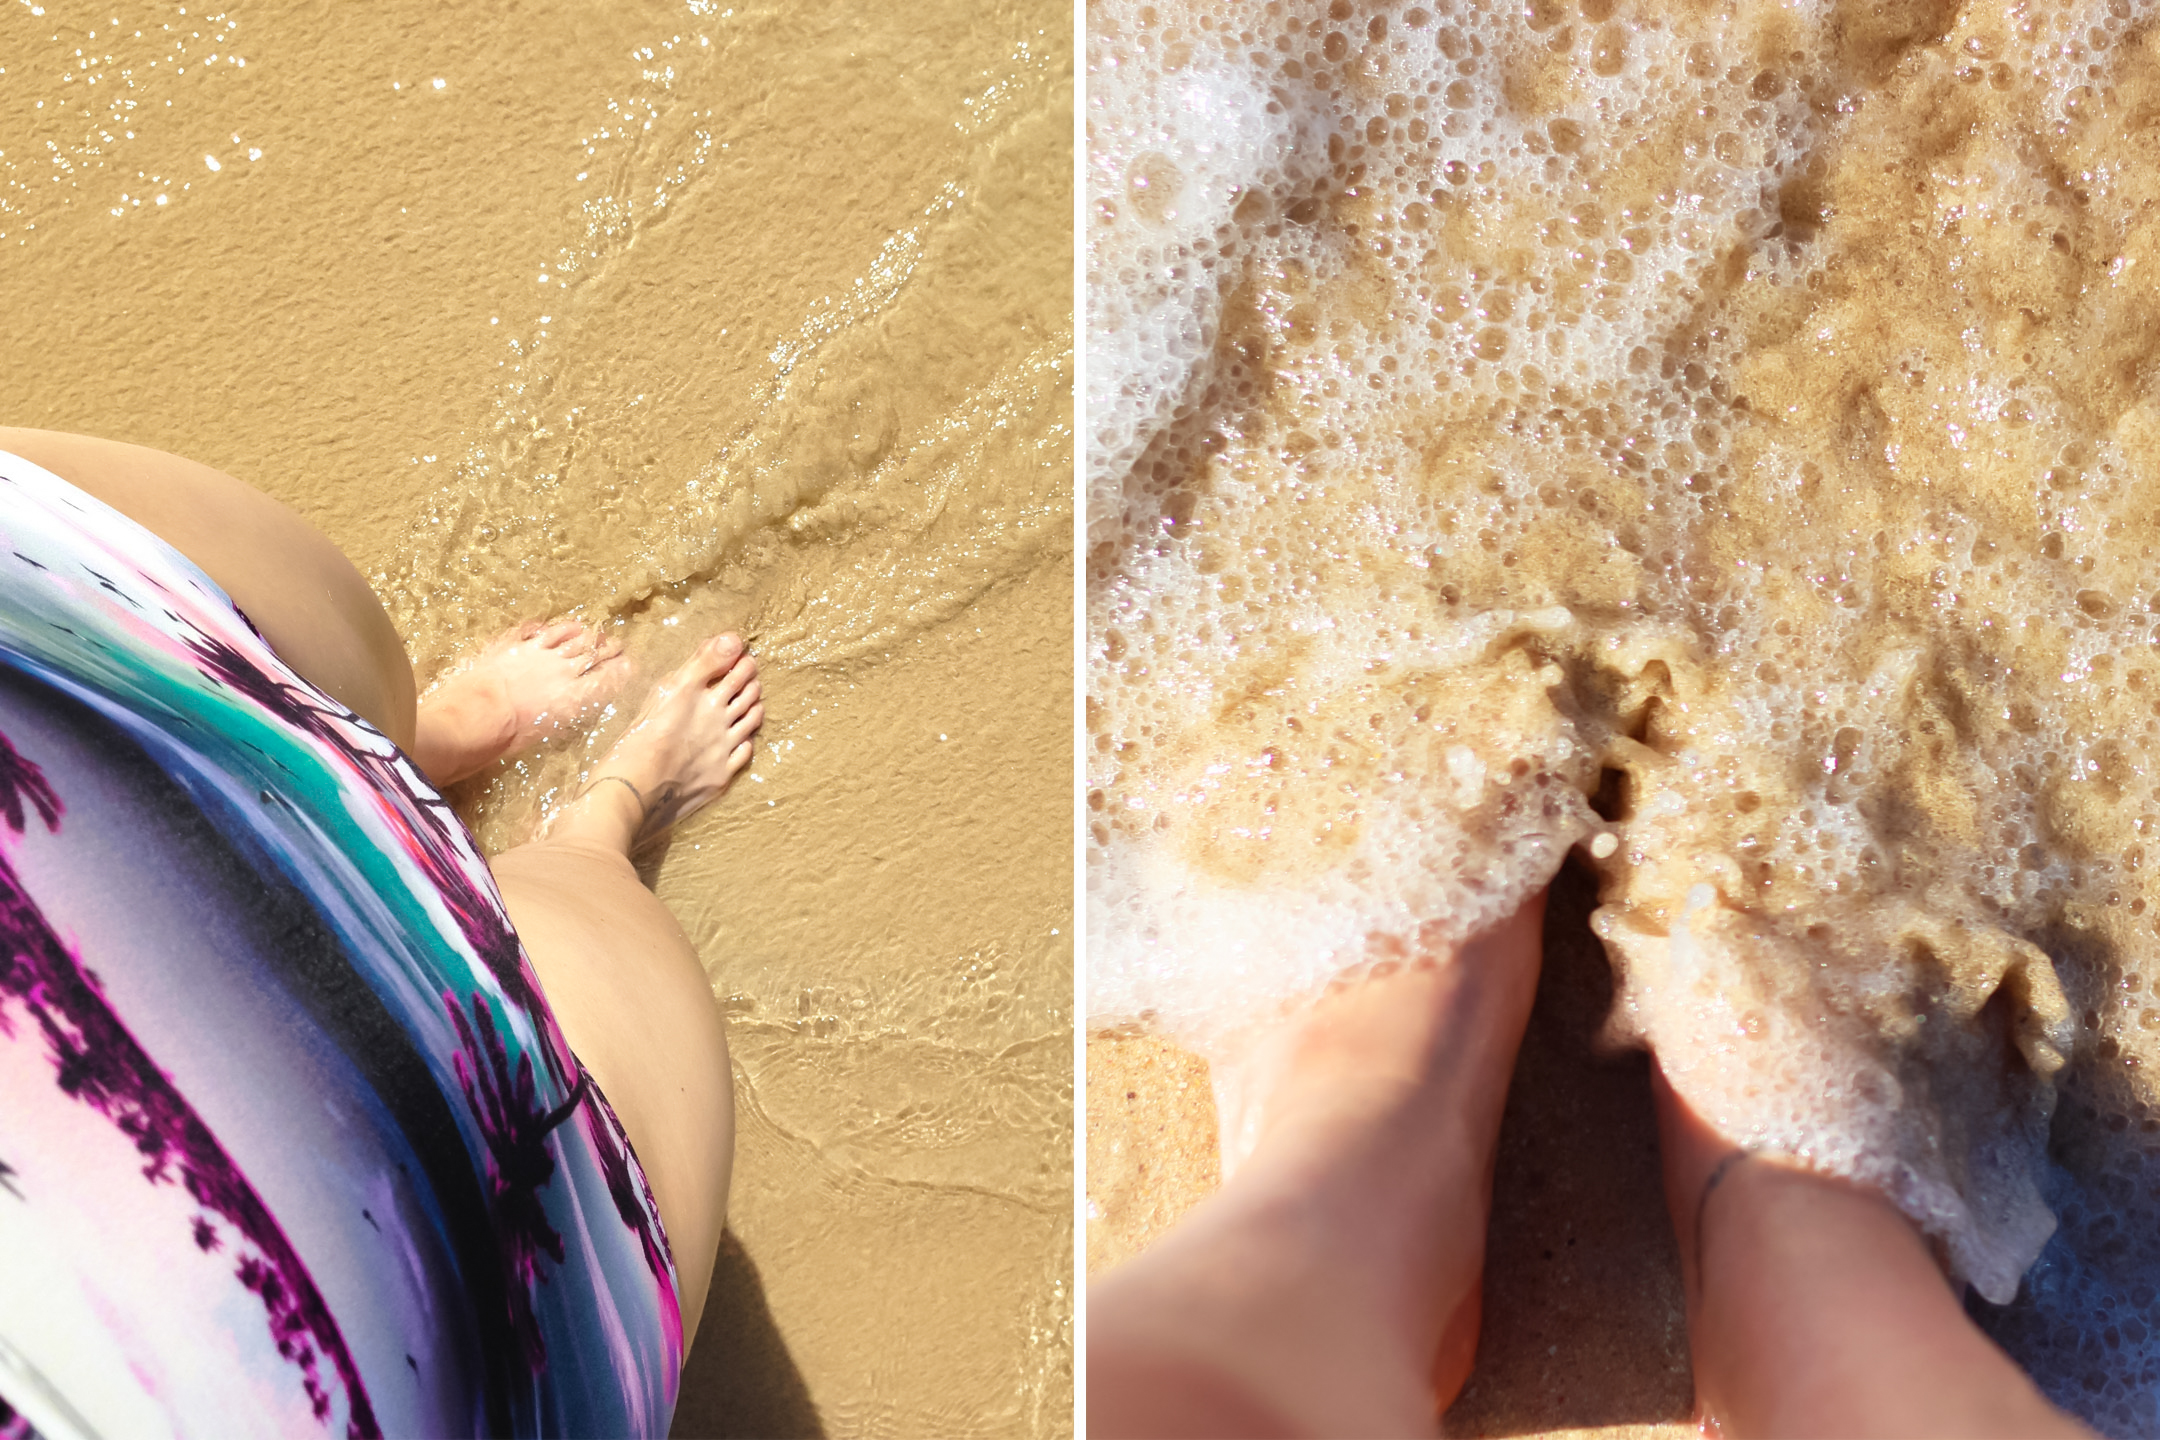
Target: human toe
734,680
607,672
519,634
741,701
589,648
712,659
705,665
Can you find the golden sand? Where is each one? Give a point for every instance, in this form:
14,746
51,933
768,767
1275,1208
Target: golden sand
673,317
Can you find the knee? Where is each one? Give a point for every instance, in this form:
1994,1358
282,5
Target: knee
571,899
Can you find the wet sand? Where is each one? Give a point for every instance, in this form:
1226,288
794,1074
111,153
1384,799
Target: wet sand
673,317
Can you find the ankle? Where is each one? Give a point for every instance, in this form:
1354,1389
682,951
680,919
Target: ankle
608,814
1393,1214
1822,1309
463,729
1408,1070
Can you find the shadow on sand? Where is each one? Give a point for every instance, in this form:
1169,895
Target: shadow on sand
1584,1326
739,1379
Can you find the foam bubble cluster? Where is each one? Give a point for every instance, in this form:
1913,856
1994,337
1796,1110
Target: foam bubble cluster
1718,438
1170,157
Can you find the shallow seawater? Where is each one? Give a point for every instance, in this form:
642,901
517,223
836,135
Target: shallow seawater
1719,437
672,317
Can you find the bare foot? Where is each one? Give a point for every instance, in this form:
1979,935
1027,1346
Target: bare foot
1417,1056
679,755
1815,1308
530,681
1334,1282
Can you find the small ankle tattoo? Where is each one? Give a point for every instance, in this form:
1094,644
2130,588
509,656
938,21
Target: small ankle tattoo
654,815
659,815
643,808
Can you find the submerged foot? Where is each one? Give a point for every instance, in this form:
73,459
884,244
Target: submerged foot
680,754
1815,1307
1334,1282
1413,1061
529,682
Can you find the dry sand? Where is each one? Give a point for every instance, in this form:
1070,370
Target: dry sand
674,317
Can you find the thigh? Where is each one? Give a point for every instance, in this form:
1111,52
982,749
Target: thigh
311,604
634,1002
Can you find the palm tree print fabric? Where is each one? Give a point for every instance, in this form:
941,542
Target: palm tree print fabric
290,1143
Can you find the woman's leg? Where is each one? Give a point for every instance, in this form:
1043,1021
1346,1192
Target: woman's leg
622,978
321,617
617,970
1816,1308
1332,1287
313,607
